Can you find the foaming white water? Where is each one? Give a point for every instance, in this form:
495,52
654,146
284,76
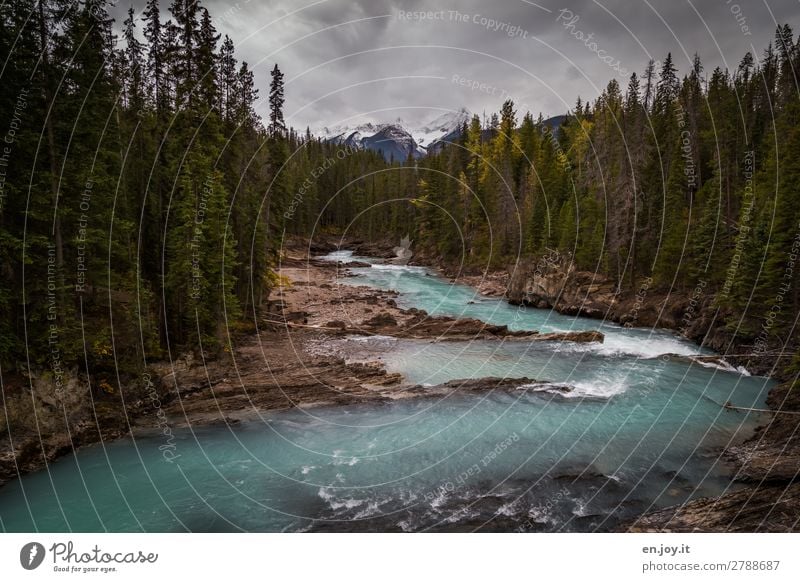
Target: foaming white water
371,339
336,504
344,461
337,256
399,268
539,514
596,388
723,365
508,510
550,387
372,508
647,347
640,344
580,509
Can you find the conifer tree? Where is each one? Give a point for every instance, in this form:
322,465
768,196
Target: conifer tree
277,127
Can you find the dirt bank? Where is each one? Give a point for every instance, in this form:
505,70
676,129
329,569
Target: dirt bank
272,369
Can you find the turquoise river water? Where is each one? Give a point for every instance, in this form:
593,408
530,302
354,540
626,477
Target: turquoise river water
642,429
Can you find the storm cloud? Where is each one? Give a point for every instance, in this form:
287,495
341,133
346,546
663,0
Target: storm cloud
347,61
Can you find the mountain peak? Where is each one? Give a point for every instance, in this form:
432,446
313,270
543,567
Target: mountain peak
395,139
448,121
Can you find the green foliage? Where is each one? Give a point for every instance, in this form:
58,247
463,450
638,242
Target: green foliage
144,203
680,181
151,200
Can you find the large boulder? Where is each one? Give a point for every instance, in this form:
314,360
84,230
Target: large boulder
554,282
381,320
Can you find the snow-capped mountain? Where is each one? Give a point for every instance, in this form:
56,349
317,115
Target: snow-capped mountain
394,140
391,139
444,128
343,134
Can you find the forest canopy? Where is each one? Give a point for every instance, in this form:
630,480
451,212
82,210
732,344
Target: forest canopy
145,198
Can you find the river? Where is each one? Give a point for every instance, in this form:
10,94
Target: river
642,428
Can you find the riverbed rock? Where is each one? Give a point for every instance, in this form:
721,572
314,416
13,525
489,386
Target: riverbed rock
320,246
422,326
353,265
465,385
77,410
768,461
297,316
773,453
571,336
381,320
377,249
554,282
766,508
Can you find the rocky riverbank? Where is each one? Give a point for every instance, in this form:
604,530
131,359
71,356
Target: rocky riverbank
768,464
279,367
282,366
553,282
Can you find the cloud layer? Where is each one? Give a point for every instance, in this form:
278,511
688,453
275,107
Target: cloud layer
349,60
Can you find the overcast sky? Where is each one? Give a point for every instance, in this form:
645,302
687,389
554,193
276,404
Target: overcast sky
351,60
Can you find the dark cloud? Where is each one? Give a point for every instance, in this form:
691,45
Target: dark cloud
384,59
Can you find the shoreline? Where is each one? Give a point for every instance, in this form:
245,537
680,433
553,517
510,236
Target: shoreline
276,369
551,285
768,463
272,369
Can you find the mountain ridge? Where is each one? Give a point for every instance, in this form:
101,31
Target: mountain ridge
397,142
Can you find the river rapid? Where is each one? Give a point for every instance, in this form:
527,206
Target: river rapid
639,425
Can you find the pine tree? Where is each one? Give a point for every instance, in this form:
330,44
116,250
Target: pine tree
228,80
183,39
134,79
649,84
277,127
278,192
207,38
153,33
